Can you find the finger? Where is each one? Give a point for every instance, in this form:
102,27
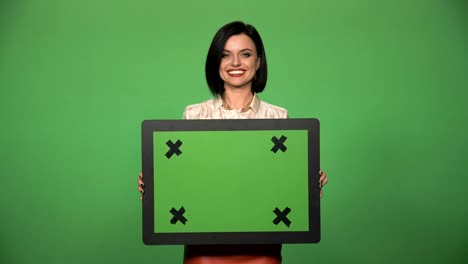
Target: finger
324,181
141,197
141,190
141,183
323,176
141,175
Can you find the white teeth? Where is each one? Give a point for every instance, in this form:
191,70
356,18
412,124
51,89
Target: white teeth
236,72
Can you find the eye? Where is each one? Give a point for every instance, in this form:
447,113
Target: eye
246,54
224,55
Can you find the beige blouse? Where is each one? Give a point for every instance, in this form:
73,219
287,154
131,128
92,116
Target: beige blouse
214,109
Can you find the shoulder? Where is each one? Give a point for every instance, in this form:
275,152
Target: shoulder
272,111
196,111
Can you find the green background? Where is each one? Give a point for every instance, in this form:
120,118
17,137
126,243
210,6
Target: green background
219,192
387,79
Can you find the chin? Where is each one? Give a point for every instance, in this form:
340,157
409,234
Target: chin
240,86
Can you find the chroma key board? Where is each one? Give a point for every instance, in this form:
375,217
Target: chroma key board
231,181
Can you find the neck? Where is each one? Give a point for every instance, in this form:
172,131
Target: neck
238,98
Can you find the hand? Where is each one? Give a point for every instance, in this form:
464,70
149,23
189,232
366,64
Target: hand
141,185
322,181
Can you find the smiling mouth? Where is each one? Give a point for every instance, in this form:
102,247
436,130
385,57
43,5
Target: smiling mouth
236,73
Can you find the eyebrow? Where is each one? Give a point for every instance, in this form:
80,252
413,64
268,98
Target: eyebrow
242,50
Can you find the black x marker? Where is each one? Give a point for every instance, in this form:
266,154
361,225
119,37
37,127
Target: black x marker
279,143
281,216
178,215
174,148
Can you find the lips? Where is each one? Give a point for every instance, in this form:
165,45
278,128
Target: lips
236,72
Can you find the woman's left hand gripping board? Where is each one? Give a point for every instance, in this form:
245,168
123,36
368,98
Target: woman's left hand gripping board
141,185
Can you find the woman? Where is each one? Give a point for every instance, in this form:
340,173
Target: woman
236,71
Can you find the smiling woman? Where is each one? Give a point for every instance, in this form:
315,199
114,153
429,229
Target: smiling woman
236,71
239,62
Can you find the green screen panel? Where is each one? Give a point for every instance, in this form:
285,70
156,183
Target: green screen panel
230,181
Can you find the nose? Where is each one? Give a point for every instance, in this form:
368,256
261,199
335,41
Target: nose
235,61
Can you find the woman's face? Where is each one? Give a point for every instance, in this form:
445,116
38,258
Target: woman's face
239,62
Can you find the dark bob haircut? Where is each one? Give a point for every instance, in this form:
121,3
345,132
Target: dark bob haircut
213,60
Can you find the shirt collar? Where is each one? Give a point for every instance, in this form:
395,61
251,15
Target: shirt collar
218,102
254,105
